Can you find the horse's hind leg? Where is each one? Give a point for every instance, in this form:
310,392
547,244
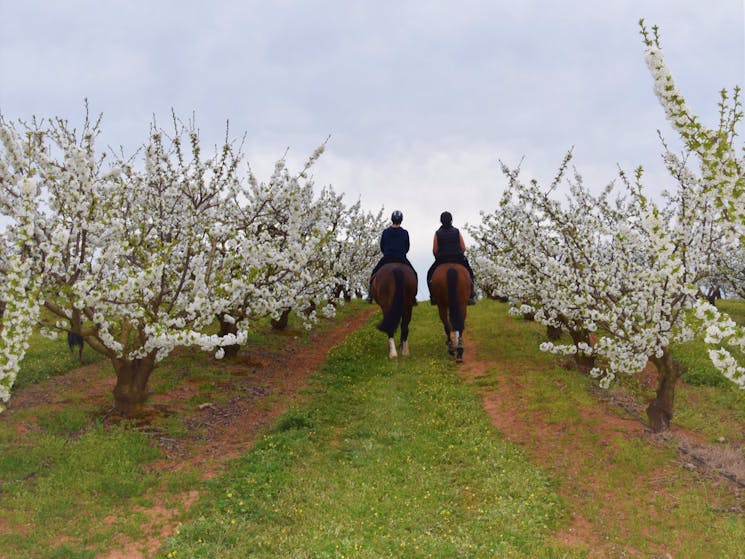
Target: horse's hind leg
392,348
405,337
450,342
404,341
459,347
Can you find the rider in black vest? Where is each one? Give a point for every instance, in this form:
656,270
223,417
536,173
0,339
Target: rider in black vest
449,246
394,244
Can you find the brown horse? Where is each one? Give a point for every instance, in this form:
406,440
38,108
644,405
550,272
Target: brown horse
451,286
394,288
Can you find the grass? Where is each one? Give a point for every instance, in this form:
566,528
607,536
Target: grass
385,459
47,358
74,483
706,401
694,356
54,486
377,459
637,498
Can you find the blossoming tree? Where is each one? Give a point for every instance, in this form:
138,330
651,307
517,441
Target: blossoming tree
139,257
628,269
291,236
120,254
356,249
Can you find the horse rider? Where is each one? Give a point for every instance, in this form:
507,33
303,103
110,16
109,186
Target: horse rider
449,246
394,244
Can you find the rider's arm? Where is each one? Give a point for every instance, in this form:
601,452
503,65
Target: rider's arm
462,242
434,245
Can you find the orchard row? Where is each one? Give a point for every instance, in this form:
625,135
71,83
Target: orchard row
621,272
145,253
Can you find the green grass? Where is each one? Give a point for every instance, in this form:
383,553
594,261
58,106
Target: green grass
733,307
72,482
47,358
706,401
656,504
377,459
694,356
54,485
386,459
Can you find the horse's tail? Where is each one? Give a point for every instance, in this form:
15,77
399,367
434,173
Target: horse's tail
456,314
392,318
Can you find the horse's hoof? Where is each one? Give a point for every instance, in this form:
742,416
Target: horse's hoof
459,360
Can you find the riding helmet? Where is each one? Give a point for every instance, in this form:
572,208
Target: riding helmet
397,217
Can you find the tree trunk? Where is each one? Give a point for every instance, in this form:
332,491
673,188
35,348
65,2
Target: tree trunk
338,290
281,322
553,333
130,391
585,363
660,409
225,329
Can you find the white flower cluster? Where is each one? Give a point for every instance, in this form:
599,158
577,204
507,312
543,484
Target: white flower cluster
143,259
20,309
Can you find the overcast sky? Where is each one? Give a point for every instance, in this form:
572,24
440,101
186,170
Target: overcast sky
421,98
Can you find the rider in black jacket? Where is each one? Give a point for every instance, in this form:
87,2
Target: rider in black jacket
394,244
449,246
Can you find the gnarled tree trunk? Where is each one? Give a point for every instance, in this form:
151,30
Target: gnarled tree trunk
584,363
660,409
281,322
225,329
132,376
553,333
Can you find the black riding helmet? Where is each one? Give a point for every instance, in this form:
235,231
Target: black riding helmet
397,217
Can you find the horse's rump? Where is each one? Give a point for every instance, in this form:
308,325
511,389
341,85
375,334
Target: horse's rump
394,288
451,287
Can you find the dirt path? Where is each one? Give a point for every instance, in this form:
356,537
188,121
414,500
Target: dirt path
231,427
584,483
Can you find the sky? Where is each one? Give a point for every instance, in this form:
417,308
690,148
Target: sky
420,99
